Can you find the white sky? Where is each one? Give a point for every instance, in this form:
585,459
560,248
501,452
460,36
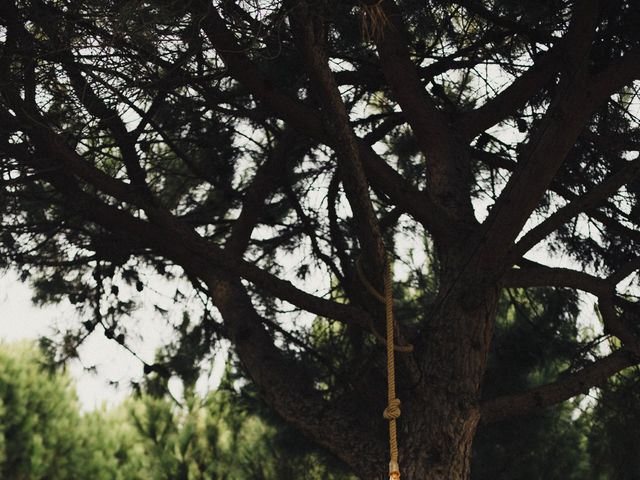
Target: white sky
20,320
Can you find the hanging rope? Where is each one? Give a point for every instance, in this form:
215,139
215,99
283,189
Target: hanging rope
392,412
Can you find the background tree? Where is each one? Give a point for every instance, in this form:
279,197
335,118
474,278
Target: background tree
221,435
534,343
259,149
613,445
37,412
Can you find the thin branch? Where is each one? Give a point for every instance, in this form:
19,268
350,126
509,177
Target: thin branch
584,202
243,69
311,233
265,182
476,7
95,105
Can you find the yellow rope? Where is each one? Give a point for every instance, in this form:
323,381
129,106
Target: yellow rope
392,412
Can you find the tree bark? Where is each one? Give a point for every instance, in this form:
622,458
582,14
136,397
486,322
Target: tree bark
441,414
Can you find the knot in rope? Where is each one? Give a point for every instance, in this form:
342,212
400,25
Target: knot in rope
393,410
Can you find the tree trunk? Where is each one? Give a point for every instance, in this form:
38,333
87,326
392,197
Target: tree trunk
440,412
440,416
438,447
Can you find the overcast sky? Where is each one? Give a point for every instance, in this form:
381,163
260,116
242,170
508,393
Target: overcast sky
20,320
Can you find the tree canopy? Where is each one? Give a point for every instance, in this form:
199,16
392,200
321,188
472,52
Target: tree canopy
276,154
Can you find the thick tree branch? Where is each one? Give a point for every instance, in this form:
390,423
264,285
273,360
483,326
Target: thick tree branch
392,121
624,271
288,389
616,325
383,178
564,388
550,142
619,73
497,161
448,175
536,275
307,121
429,124
515,96
309,32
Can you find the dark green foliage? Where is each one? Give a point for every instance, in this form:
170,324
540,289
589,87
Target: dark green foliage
614,439
535,340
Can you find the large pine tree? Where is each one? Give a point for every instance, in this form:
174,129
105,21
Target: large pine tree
264,149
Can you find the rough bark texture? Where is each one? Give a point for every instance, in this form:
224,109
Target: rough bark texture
443,424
